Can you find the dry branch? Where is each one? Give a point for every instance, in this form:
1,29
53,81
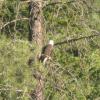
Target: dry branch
13,21
59,2
45,3
77,39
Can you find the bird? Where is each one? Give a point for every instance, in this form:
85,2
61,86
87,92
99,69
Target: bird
46,52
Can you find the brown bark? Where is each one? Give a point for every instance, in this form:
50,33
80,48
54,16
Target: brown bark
36,37
36,22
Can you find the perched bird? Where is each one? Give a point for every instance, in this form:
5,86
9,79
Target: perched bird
47,50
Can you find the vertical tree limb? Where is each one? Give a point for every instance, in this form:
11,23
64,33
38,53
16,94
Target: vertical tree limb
36,37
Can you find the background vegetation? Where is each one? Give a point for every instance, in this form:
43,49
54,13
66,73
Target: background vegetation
74,72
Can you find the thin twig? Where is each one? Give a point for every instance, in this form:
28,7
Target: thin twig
57,2
17,14
25,1
13,21
16,90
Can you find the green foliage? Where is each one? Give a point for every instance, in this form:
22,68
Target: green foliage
15,74
74,71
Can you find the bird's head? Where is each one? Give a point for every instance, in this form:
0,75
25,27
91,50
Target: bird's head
51,42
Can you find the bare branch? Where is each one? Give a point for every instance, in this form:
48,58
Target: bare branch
5,89
13,21
45,3
57,2
77,39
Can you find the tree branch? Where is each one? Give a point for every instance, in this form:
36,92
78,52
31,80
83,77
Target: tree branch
77,39
49,4
57,2
13,21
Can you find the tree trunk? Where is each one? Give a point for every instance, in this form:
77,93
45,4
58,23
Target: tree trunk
36,36
36,19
